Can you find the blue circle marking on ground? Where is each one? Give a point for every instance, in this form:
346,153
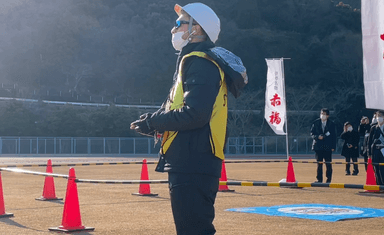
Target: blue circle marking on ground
320,211
331,213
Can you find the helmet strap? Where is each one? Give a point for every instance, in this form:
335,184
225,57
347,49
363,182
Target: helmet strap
190,25
190,31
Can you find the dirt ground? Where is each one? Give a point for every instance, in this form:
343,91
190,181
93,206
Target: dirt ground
111,209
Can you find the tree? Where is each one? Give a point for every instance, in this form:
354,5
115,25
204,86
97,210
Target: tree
299,102
122,48
242,112
18,120
77,71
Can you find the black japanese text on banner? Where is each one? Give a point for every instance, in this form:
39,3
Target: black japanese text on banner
372,23
275,110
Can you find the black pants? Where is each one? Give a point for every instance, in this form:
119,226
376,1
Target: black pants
192,200
322,155
377,157
347,166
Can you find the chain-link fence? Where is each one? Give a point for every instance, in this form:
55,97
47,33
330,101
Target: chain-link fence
77,145
122,146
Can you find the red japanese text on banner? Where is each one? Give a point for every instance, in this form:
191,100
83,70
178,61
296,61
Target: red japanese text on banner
275,110
372,23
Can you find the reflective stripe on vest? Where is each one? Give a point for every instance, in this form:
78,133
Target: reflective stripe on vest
218,122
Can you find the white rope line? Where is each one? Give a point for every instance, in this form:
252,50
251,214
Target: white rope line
122,181
18,170
234,183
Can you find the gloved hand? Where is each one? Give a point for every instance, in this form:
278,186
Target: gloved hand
142,125
145,115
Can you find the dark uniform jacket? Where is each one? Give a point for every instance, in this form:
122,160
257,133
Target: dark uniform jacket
190,151
352,138
364,130
374,143
329,135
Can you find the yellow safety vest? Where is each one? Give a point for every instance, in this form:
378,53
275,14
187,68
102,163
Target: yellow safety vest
218,122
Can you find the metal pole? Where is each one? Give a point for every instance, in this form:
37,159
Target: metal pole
286,114
104,144
254,147
89,146
245,145
149,146
119,145
37,145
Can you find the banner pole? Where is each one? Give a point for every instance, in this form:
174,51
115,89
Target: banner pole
286,113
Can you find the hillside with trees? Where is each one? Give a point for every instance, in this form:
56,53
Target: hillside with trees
122,48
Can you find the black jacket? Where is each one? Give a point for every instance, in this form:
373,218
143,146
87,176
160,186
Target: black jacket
190,151
374,142
329,135
350,138
364,130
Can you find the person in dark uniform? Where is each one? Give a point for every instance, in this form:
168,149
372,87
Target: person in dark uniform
350,148
323,132
364,126
364,129
376,147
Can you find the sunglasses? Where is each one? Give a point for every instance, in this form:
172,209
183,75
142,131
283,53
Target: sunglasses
178,23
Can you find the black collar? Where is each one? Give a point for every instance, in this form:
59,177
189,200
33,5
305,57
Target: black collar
198,46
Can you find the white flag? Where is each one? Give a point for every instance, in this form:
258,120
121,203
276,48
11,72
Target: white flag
372,23
274,96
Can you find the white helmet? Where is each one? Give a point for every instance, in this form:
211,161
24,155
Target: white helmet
204,16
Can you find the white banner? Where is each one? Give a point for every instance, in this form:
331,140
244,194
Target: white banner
274,96
372,23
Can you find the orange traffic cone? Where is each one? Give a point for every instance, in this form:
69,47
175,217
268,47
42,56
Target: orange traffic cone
224,188
49,186
2,208
71,215
144,189
371,179
290,172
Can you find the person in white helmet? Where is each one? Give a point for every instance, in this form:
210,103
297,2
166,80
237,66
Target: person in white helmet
193,119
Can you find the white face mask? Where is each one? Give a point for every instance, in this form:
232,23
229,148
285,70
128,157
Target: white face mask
323,117
380,120
178,42
374,120
349,128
